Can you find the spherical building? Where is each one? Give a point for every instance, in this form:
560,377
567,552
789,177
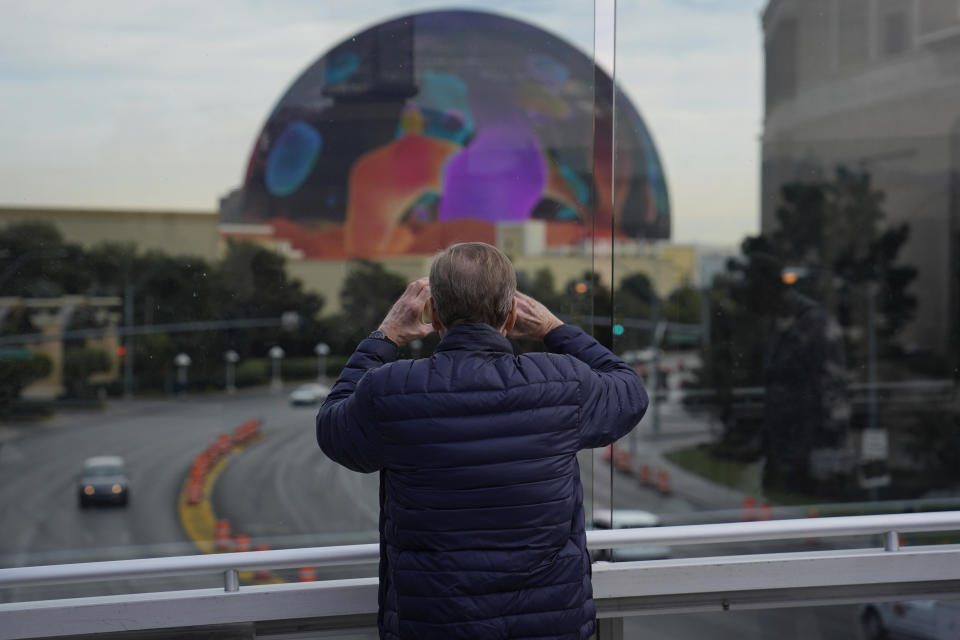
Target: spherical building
439,126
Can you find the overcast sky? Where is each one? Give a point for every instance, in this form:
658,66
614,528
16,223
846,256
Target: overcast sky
155,104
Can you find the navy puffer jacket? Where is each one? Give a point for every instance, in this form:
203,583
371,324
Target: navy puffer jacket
481,506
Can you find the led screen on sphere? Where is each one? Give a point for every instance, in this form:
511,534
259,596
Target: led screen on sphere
434,128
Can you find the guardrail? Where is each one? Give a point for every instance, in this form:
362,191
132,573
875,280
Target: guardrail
621,589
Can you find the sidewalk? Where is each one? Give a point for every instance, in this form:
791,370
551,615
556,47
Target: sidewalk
679,429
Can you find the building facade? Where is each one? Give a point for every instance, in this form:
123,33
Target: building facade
874,86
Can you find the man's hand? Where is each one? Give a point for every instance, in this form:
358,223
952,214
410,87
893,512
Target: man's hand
403,322
533,319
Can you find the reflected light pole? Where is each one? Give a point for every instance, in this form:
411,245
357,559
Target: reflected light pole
276,354
322,350
231,358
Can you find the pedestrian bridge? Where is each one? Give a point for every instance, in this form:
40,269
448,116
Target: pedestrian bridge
884,571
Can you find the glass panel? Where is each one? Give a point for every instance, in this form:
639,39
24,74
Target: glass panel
347,145
853,32
937,15
809,358
926,619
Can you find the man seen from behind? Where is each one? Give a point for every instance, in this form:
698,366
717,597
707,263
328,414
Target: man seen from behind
481,507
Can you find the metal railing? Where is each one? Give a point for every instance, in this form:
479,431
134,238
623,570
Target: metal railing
632,588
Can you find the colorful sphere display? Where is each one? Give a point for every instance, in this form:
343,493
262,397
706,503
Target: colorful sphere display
440,126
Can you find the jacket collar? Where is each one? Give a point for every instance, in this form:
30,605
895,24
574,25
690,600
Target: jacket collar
474,336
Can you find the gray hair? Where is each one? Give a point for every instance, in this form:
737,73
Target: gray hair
472,282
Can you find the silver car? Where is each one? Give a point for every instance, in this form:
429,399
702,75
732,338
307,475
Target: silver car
629,519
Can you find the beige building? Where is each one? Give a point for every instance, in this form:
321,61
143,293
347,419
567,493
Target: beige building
175,232
183,233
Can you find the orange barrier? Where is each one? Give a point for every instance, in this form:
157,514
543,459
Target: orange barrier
663,482
622,460
221,536
749,509
194,491
246,432
813,513
212,452
201,464
644,476
224,444
766,511
261,574
241,542
307,574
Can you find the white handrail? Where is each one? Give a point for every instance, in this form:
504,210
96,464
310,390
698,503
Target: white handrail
724,532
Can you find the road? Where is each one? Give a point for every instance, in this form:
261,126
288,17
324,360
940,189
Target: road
40,522
281,491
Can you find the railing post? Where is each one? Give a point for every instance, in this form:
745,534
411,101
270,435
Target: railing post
891,541
231,580
609,629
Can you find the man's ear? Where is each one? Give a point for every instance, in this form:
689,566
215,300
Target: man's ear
434,318
511,318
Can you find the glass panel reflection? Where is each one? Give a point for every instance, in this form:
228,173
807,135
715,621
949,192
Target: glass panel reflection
810,364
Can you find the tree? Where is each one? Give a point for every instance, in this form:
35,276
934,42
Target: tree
831,236
367,294
79,363
540,286
35,261
636,297
588,296
682,305
833,229
18,371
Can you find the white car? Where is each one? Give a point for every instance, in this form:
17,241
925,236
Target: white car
307,394
629,519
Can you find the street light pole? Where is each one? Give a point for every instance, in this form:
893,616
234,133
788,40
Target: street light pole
128,341
182,361
322,350
872,353
231,357
276,354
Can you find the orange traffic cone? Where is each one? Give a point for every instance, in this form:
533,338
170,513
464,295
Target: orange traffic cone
766,511
645,475
663,482
194,491
813,513
749,509
261,574
221,536
241,542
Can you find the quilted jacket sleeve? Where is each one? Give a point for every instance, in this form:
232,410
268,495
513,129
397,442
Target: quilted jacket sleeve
346,430
612,398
